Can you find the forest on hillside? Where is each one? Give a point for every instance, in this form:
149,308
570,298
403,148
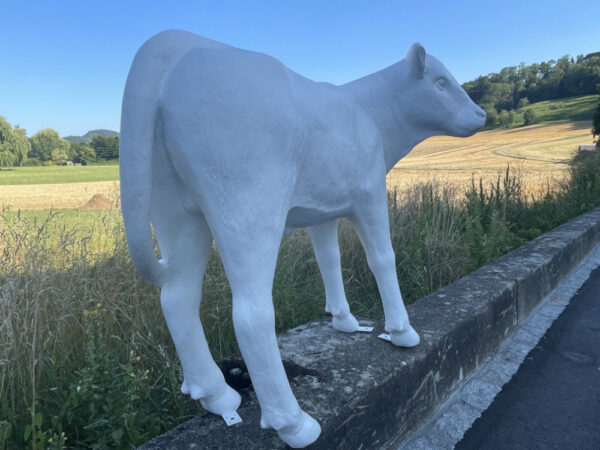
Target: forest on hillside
515,87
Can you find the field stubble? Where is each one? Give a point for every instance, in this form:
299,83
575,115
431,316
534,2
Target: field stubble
537,153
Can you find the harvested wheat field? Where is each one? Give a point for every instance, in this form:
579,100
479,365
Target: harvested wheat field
91,195
538,153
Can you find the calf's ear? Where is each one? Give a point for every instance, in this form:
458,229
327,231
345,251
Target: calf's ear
416,61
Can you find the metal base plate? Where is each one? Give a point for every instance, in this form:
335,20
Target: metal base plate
232,418
385,337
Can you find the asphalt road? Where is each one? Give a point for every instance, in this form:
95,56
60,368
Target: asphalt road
553,401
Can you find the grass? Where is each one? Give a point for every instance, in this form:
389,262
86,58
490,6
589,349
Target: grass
572,109
83,221
58,174
86,359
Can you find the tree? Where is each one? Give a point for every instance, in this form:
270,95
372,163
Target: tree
505,118
529,117
106,147
21,145
43,142
7,156
491,115
86,155
13,144
59,157
82,153
523,102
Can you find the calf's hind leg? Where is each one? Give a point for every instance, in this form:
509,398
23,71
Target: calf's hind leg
249,255
327,251
185,242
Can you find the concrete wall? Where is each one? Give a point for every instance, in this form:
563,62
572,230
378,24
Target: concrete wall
367,393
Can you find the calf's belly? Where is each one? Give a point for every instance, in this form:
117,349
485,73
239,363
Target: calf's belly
301,216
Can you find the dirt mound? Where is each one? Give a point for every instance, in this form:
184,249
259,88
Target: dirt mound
97,202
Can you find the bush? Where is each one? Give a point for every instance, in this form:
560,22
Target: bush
505,118
529,117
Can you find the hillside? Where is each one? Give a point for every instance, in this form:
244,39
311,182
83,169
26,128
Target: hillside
88,136
572,109
517,86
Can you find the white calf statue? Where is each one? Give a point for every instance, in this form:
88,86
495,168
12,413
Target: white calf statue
231,145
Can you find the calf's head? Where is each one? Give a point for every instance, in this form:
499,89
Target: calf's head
437,102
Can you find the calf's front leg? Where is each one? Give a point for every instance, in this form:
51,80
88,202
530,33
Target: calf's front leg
371,222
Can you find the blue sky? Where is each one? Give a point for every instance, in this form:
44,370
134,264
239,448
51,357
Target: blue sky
63,63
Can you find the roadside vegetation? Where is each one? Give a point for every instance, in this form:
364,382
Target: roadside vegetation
86,359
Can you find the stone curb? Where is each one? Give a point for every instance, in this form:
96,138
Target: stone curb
366,393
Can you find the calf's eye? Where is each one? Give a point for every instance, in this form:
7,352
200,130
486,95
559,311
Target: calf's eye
442,83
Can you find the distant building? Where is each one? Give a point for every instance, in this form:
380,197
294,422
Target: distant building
587,148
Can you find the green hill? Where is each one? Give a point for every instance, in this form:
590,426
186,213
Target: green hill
571,109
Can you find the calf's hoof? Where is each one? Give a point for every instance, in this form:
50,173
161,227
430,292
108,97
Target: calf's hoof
225,403
301,434
345,323
220,403
405,338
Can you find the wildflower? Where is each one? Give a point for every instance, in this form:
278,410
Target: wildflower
86,313
49,440
138,358
132,375
146,372
78,388
99,305
131,353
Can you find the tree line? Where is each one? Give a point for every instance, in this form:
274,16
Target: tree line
46,147
517,86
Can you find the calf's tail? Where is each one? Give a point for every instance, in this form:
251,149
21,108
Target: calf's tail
138,118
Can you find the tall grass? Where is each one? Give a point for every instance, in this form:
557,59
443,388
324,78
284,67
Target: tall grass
85,355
